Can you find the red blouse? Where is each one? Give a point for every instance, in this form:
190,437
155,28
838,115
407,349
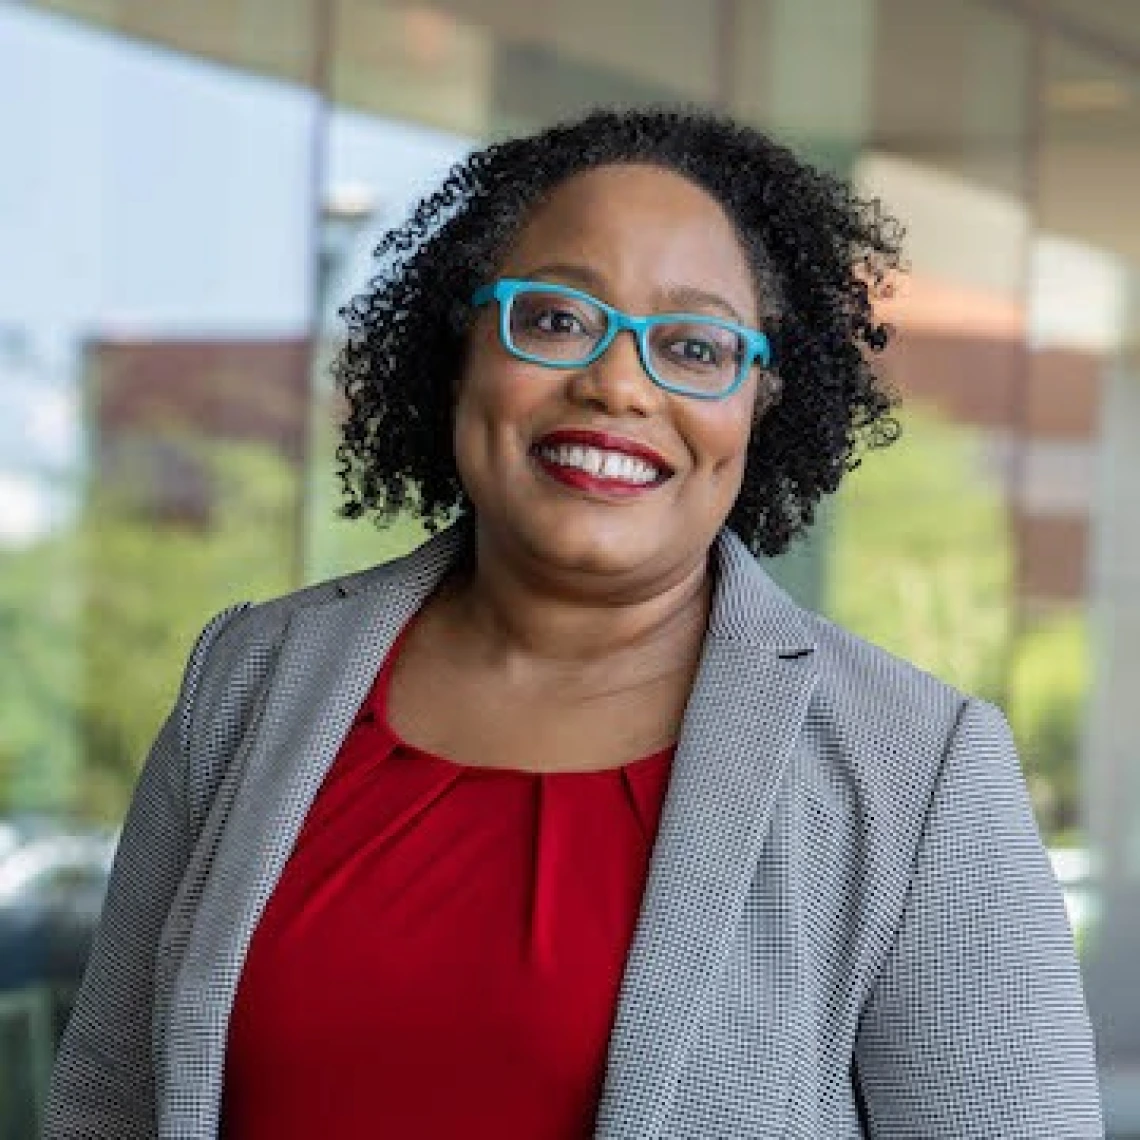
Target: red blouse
442,954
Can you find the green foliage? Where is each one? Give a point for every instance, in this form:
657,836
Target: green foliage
922,557
39,605
97,622
150,586
921,565
1046,701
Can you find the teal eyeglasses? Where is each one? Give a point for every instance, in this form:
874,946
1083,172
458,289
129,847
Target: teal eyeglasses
690,354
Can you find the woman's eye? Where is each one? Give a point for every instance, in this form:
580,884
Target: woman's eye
695,351
558,321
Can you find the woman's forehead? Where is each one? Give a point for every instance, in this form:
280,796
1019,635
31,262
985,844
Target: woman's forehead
636,223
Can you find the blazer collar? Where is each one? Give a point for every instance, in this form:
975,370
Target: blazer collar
744,715
749,608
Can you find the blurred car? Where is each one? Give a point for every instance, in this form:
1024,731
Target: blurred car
52,885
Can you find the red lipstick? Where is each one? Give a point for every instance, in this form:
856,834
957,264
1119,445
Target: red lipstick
603,487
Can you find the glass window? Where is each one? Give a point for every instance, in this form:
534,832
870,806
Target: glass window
376,170
154,368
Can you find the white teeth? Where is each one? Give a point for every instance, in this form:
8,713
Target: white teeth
602,464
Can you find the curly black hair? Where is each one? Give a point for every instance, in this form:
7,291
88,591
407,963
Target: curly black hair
820,255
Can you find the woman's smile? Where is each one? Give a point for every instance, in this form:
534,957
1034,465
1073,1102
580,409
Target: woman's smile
600,463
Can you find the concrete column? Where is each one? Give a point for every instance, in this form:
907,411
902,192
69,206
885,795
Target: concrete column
1112,753
1113,743
820,61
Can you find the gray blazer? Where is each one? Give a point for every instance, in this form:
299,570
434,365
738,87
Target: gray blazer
850,927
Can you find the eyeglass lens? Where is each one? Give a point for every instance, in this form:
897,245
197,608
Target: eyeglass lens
562,329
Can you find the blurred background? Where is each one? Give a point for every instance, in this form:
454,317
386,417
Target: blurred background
192,187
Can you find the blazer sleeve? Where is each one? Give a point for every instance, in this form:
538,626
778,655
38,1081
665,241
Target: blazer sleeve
977,1025
102,1085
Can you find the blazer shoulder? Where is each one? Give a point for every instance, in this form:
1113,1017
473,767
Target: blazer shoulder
259,628
860,687
847,659
888,722
245,636
879,737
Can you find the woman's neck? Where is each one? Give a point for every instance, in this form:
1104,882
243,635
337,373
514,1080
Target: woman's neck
524,616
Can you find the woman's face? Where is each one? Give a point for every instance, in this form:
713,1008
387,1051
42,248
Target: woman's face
646,241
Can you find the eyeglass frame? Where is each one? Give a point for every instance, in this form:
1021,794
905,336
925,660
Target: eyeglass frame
757,345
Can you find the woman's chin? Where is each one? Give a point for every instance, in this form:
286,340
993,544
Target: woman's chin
599,556
580,539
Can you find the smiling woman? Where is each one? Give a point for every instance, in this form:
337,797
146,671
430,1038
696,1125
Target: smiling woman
571,823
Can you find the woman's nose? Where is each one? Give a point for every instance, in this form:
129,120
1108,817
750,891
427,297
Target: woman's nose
617,381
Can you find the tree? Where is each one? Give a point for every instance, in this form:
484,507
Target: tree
922,566
1047,693
97,622
922,557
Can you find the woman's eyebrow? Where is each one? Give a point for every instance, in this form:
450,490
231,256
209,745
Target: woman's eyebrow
687,297
675,298
567,271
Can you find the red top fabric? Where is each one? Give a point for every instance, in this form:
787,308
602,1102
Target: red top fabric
442,955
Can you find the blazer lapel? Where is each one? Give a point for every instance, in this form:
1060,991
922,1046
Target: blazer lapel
326,666
742,722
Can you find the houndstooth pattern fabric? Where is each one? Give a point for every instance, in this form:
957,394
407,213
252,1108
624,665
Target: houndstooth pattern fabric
850,927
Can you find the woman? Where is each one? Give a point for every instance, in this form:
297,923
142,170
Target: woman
570,823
